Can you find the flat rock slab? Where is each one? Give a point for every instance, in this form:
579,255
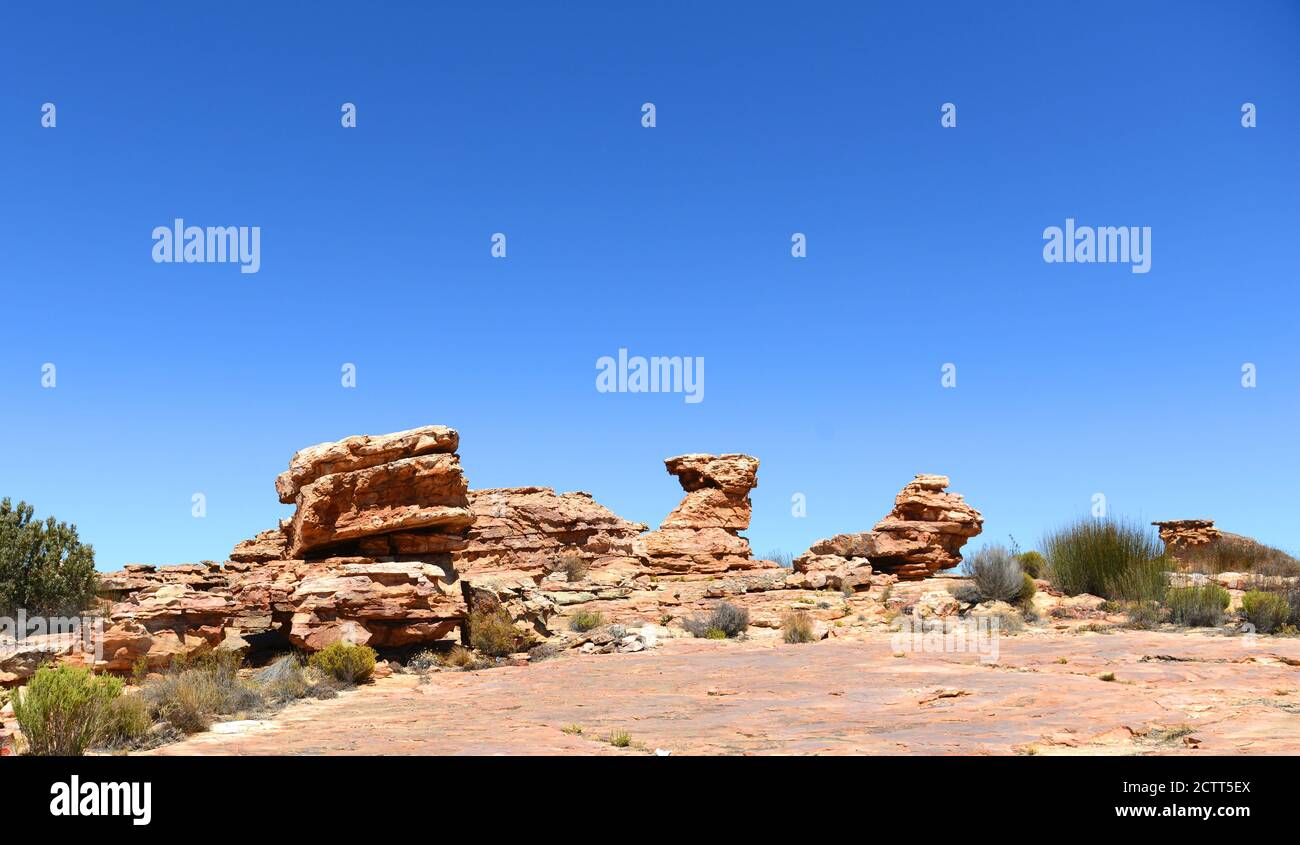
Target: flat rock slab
1173,693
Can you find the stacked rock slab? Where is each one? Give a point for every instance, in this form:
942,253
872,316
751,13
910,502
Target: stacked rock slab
1183,533
702,535
922,535
408,483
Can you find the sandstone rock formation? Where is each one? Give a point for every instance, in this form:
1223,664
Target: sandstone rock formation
925,531
922,535
535,531
1182,533
387,546
702,535
349,598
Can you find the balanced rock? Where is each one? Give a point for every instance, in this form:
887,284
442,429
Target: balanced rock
925,531
701,536
1182,533
922,535
369,486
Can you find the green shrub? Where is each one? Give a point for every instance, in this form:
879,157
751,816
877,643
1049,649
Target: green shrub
63,710
126,722
1032,564
194,691
1266,611
1084,555
1197,607
348,663
495,635
724,622
620,739
797,627
1027,590
44,568
585,620
1142,615
1141,581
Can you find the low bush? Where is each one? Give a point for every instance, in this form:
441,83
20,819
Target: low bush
348,663
126,722
620,739
1028,589
1032,564
284,679
585,620
1085,555
1197,607
457,657
495,635
797,627
726,621
1266,611
1142,615
574,566
995,574
193,692
63,710
1142,581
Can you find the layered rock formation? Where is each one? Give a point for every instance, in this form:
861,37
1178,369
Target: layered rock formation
534,531
387,546
702,535
357,599
922,535
369,486
1184,533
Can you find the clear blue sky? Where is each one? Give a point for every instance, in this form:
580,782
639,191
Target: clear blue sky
924,247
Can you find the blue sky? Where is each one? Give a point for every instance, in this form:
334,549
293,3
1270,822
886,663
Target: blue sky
924,247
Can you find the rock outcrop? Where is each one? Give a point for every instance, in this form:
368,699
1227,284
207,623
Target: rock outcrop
925,531
534,531
702,535
357,599
922,535
1184,533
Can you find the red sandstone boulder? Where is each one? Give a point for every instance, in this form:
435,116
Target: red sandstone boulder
426,492
362,452
922,535
701,535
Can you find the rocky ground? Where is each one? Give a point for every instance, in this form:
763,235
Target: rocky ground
1172,693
